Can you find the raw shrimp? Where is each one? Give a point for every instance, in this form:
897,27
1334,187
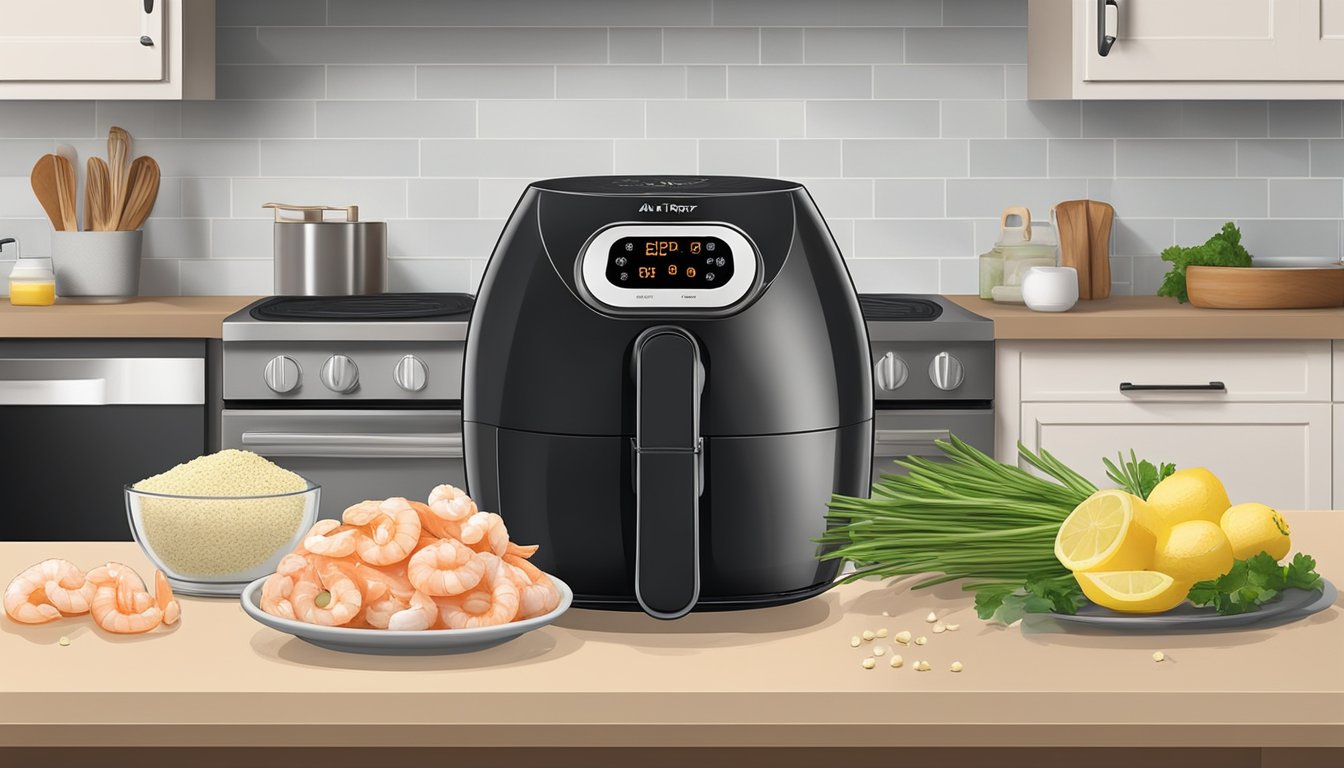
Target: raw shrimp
496,604
450,503
276,594
389,531
485,532
537,594
518,550
330,538
386,580
380,611
326,596
447,567
28,598
124,607
163,598
108,573
421,614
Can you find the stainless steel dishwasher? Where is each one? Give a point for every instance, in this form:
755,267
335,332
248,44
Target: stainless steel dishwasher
81,419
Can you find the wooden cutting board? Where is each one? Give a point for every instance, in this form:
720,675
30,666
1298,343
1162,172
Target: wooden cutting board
1100,217
1265,287
1075,249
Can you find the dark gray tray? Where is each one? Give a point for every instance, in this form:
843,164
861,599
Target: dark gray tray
1290,605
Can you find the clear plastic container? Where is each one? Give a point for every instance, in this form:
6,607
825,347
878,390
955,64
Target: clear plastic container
1020,247
32,282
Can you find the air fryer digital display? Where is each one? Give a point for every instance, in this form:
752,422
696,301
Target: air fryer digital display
670,262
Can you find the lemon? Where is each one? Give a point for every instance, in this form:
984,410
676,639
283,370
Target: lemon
1254,528
1133,591
1193,551
1188,494
1101,534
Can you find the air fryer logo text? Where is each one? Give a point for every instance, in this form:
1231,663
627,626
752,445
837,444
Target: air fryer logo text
666,208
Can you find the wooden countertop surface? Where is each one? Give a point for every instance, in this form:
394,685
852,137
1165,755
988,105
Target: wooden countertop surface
777,677
1154,317
180,317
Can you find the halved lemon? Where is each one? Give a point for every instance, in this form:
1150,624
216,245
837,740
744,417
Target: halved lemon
1133,591
1102,534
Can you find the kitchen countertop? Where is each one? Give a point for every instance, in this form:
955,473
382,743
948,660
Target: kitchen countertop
777,677
165,317
1154,317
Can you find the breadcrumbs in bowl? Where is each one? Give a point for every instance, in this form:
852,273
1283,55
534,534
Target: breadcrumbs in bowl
218,522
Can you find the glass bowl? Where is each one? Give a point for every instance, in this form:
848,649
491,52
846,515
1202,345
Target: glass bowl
217,545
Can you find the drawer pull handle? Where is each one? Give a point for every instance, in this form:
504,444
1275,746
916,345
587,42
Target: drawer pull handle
1108,24
1212,386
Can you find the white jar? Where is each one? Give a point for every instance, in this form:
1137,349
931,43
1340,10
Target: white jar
1050,289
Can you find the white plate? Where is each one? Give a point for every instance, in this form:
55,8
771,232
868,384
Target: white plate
388,643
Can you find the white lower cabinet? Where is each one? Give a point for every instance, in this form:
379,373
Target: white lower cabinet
1338,457
1276,453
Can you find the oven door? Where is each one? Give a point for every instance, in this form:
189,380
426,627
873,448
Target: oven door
900,433
355,454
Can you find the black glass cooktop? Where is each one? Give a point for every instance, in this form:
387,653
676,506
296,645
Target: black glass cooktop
887,307
383,306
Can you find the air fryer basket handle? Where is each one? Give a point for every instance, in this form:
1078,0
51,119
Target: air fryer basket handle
669,379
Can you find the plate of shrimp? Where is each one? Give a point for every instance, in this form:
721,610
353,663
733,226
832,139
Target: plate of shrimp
402,577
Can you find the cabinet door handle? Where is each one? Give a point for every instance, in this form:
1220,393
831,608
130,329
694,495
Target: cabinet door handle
1212,386
145,38
1108,25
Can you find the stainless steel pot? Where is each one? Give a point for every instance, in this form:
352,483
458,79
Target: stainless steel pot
317,257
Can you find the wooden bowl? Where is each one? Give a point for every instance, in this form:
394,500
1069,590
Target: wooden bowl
1265,287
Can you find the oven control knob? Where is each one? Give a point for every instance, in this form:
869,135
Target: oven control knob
340,374
282,374
890,372
945,371
411,374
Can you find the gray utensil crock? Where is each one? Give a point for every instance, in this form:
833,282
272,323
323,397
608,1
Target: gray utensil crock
97,266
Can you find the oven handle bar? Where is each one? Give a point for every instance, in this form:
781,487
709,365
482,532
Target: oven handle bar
354,446
53,392
906,442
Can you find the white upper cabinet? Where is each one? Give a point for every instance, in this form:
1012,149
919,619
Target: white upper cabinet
1186,49
107,49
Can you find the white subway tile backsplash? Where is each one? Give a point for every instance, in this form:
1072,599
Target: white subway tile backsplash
177,239
895,275
247,119
1131,119
887,238
1306,198
442,198
938,81
415,45
711,46
45,119
142,119
909,198
1302,238
631,45
483,81
853,45
1327,157
1134,237
906,158
160,277
791,81
959,276
1076,158
1191,198
1306,119
1042,119
810,157
263,81
507,13
498,197
985,13
657,156
204,198
739,157
378,199
706,82
1014,158
986,198
724,119
608,81
514,158
242,239
269,13
966,45
17,199
842,198
1148,272
782,46
1224,119
835,13
340,157
215,277
444,275
17,156
972,119
560,119
1273,157
869,118
396,119
1185,158
374,82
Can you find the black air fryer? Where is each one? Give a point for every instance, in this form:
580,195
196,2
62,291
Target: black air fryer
666,378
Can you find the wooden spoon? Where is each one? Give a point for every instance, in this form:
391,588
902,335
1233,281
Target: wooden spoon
95,195
44,186
143,189
66,192
118,159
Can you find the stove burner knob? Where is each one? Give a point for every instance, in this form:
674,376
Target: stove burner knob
946,372
282,374
411,374
340,374
890,372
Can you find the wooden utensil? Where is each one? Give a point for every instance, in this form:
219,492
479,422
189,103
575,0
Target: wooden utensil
96,196
118,168
143,188
1265,287
1074,247
43,180
66,192
1100,217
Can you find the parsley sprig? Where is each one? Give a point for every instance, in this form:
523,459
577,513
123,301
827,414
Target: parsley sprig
1255,581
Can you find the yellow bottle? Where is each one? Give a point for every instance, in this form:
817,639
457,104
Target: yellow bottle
32,283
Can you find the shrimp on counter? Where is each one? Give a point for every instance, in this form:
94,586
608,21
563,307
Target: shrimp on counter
124,607
447,567
163,598
388,531
496,604
537,594
48,590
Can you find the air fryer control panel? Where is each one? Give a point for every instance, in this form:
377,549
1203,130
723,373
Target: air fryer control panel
691,265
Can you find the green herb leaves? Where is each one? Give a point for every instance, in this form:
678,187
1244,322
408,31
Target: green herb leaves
1007,603
1136,477
1222,250
1255,581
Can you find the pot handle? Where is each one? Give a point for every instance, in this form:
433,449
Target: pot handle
312,213
669,470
